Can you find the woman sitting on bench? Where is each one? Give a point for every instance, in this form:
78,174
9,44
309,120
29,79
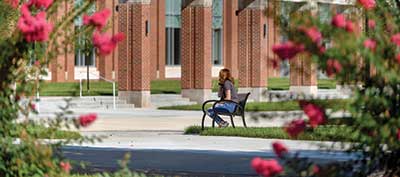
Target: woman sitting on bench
226,91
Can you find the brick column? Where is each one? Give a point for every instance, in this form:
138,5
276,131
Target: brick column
59,64
273,38
134,53
230,32
303,75
105,63
303,72
252,53
157,39
196,49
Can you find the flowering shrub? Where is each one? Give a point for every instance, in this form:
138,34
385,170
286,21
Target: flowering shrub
30,37
360,49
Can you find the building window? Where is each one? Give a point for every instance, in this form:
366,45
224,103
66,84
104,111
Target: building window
84,55
173,32
217,47
173,44
217,19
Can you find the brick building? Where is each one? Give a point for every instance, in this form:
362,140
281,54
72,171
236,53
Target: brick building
192,40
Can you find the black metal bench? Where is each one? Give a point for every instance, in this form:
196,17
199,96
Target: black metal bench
239,110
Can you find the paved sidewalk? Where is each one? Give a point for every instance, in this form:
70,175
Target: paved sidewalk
170,152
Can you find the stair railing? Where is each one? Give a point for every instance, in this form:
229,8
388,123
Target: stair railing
102,78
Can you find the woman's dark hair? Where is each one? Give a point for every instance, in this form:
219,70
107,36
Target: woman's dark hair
225,74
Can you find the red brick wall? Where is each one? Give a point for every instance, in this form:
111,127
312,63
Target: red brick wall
161,38
60,64
153,39
196,47
123,49
302,71
252,52
273,38
230,30
106,63
134,58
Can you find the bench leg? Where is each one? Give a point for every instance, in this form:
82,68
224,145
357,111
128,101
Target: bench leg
202,121
233,123
244,121
213,123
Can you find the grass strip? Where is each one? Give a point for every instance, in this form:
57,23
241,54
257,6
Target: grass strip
98,88
334,104
322,133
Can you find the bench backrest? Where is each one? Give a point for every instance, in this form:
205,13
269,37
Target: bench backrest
243,100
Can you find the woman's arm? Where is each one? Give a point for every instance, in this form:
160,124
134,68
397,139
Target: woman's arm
228,95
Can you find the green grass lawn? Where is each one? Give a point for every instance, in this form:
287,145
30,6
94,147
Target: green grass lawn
322,133
334,104
46,133
157,87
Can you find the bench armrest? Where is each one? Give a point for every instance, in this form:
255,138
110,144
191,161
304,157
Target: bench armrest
206,102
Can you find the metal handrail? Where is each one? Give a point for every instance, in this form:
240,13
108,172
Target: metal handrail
110,81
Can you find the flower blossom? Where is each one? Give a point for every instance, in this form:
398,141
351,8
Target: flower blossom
40,3
287,50
87,119
371,24
315,113
13,3
370,44
266,168
367,4
350,26
396,39
34,28
398,58
314,34
66,166
98,19
339,21
106,43
398,134
333,67
295,127
279,149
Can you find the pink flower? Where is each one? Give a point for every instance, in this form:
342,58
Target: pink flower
287,50
398,58
98,19
106,43
40,3
66,166
279,149
295,127
332,67
13,3
396,39
37,63
33,106
314,34
349,26
339,20
266,168
371,24
367,4
322,49
87,119
316,169
370,44
398,133
34,28
275,63
315,113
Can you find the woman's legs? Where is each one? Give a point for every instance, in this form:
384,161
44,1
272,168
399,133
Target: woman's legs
219,108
